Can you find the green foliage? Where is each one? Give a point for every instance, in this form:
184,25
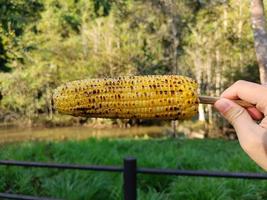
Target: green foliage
15,15
156,153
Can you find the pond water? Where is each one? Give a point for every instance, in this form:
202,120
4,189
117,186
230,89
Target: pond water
76,133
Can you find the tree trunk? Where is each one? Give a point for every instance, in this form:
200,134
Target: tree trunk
197,63
260,37
209,84
218,73
175,45
239,33
225,18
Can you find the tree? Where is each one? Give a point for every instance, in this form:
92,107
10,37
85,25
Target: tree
14,17
260,37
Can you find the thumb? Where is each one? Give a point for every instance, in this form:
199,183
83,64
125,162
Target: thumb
236,115
250,134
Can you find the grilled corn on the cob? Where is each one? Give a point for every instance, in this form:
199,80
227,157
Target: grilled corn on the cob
133,97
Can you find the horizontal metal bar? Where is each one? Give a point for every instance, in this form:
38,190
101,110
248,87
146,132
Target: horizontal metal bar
151,171
175,172
61,166
22,197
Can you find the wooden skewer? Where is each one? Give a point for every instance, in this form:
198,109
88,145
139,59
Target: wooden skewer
212,100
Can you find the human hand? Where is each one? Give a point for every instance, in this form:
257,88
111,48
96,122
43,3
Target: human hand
252,136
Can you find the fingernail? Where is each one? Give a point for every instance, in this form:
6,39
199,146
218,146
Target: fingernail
222,105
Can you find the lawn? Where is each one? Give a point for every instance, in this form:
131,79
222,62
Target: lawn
160,153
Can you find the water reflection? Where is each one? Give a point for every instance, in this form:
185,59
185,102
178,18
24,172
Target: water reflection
76,133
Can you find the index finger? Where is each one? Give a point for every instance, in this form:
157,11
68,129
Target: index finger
248,91
251,92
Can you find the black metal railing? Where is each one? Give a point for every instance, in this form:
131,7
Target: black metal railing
129,170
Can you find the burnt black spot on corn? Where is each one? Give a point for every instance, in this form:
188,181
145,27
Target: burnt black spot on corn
129,97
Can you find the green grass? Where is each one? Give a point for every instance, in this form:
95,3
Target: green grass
160,153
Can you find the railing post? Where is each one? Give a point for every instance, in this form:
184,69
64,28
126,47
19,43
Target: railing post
129,179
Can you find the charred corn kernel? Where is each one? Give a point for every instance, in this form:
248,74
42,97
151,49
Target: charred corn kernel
134,97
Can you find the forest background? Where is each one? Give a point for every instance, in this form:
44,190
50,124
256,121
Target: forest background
44,43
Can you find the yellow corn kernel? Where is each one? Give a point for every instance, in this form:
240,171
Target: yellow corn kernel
131,97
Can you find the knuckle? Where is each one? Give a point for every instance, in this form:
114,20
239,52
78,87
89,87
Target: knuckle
240,83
